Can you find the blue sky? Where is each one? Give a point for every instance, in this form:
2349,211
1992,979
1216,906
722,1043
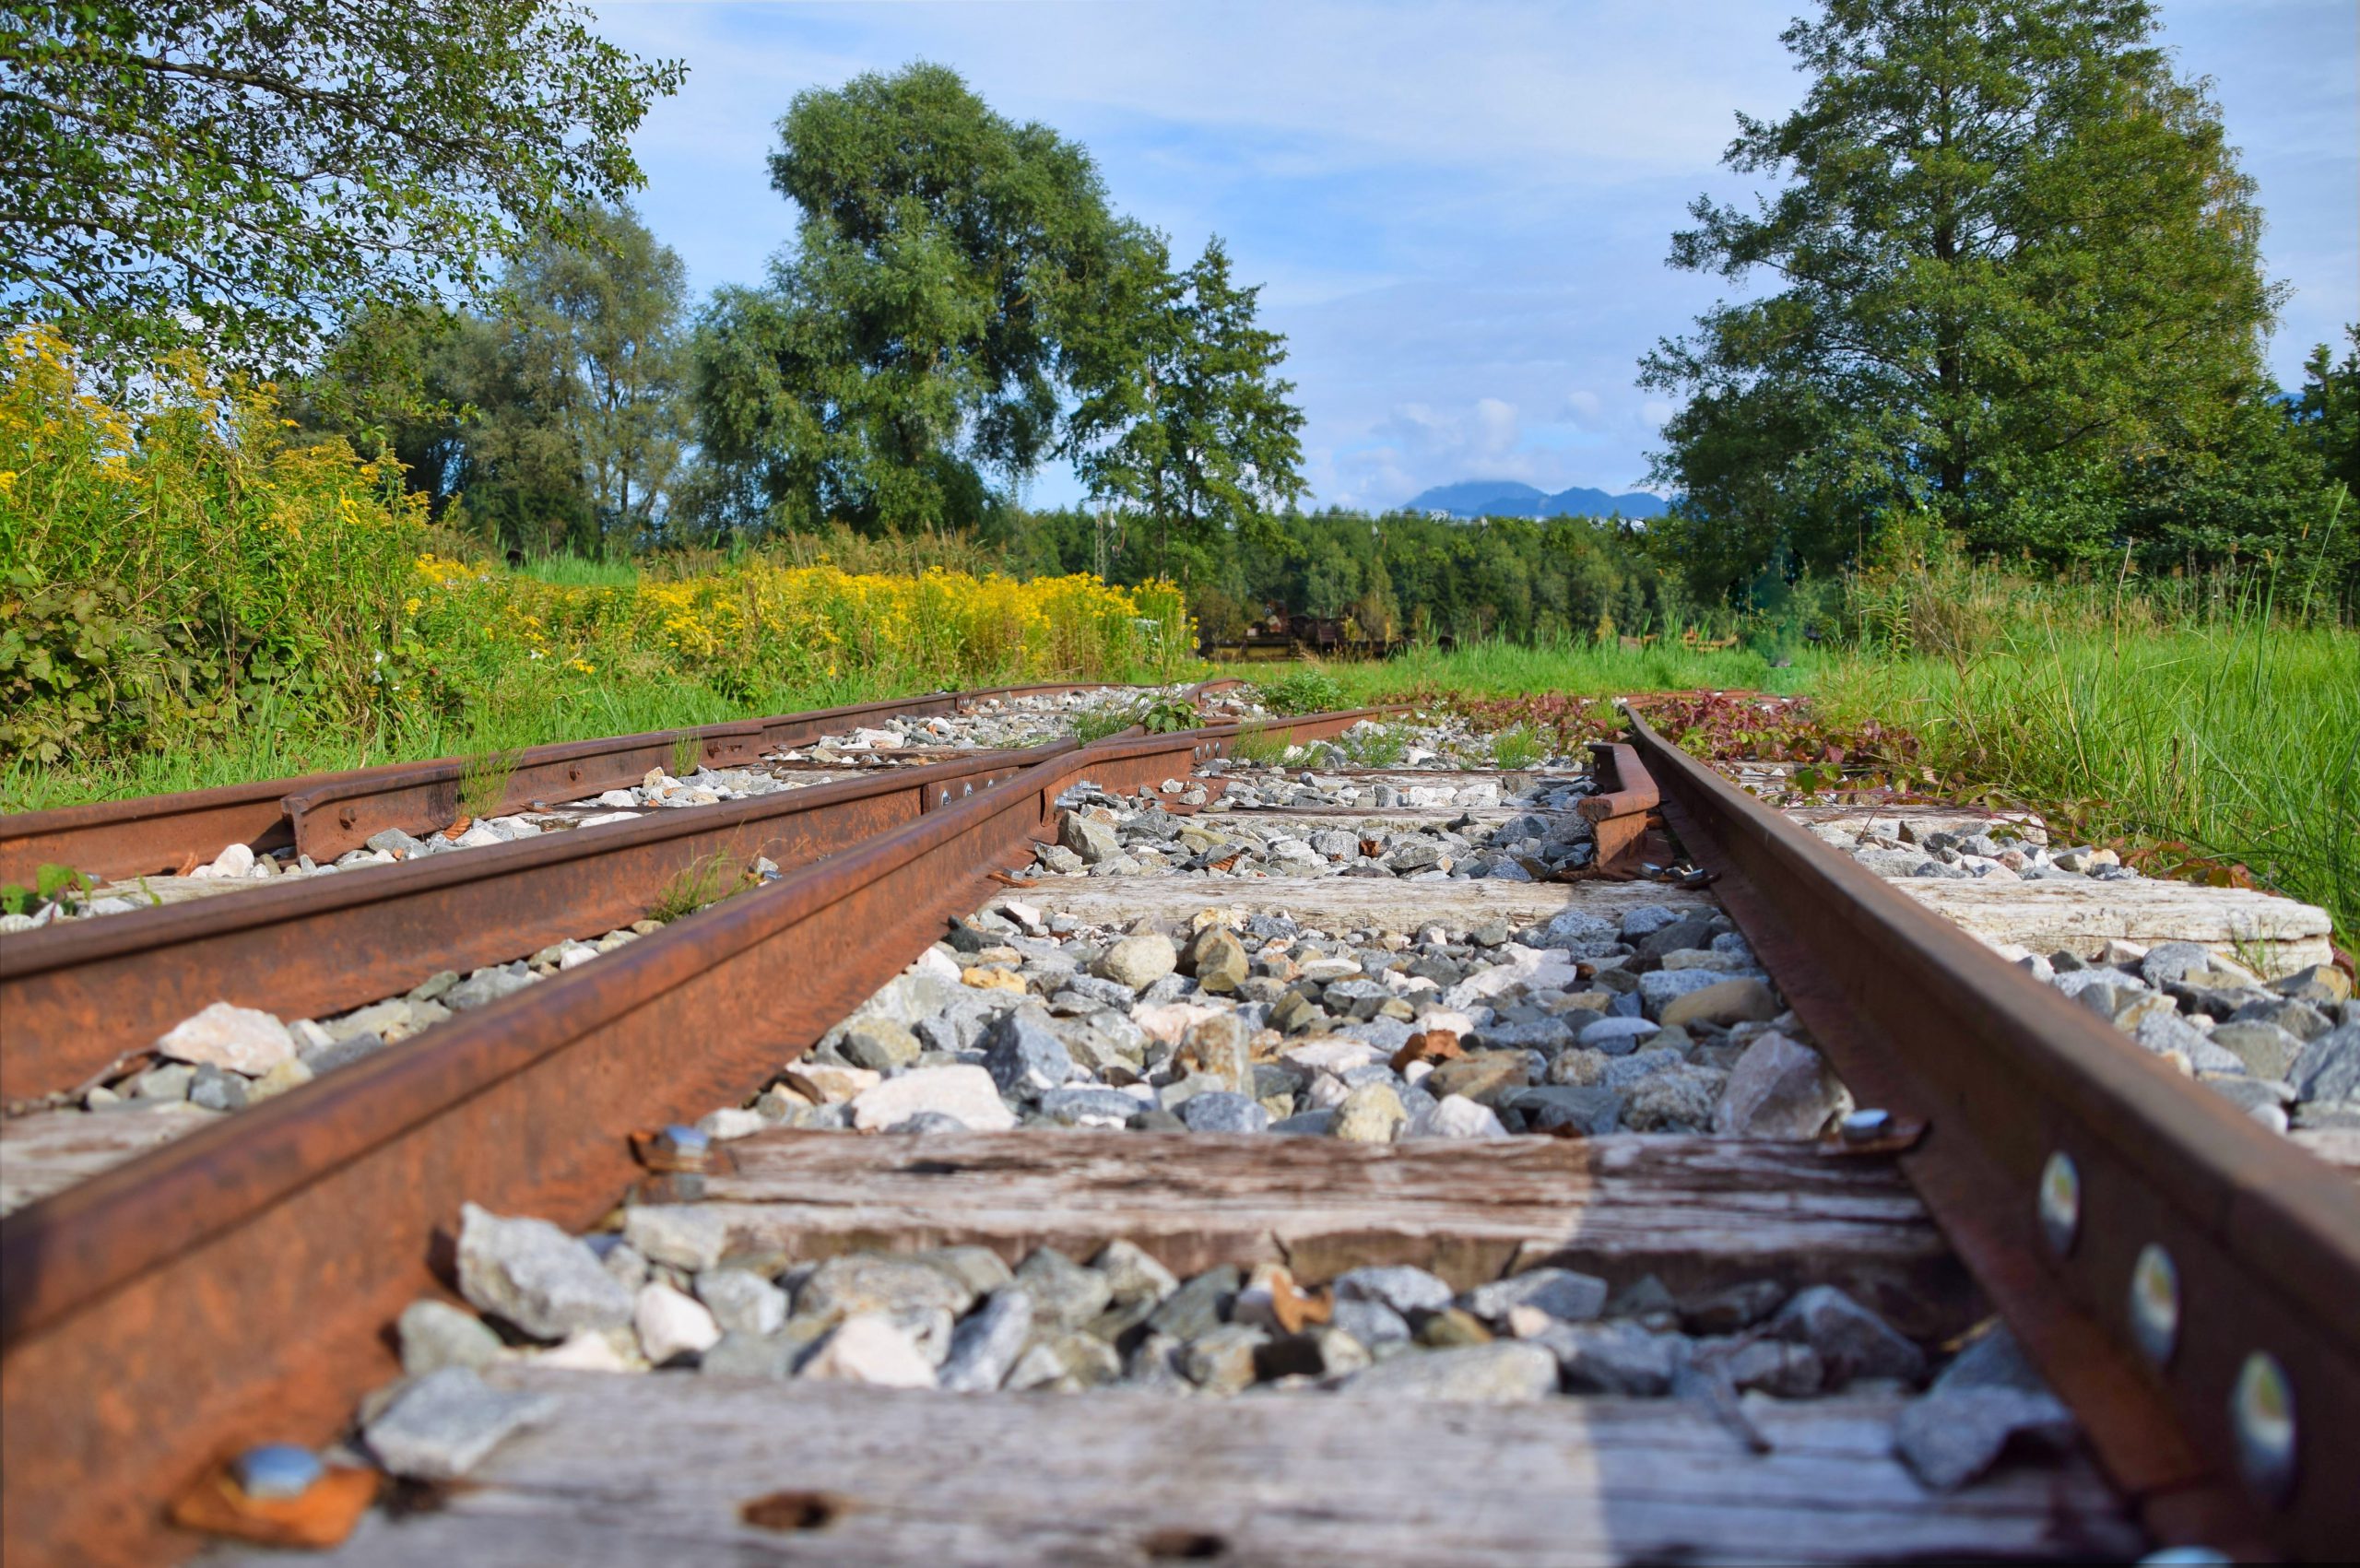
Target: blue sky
1458,214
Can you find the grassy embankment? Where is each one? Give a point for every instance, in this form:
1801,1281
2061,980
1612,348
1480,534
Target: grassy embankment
186,600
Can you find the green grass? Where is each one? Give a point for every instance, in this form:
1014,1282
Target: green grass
578,571
2239,740
1506,669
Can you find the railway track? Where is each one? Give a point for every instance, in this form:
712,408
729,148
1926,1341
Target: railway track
1749,1324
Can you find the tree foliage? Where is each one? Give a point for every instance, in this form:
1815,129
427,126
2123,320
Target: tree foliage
1183,420
555,420
230,175
909,346
2012,254
961,305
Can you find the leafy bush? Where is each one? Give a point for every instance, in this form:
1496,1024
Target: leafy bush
1305,690
185,580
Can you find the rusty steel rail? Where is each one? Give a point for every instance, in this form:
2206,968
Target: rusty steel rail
1621,816
2189,1282
76,996
235,1285
114,840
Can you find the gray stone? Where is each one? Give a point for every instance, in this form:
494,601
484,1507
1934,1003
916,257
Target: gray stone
1616,1036
979,1269
742,1302
1066,1362
1219,961
1304,1123
1222,1362
1087,838
1077,1106
1779,1088
872,1283
1138,962
1560,1292
986,1344
484,987
1579,928
1023,1057
1776,1367
1219,1111
1199,1305
167,1082
1613,1358
752,1355
2164,1031
1677,1099
239,1039
1951,1436
1133,1275
1851,1340
1371,1322
1591,1111
1505,1371
213,1089
962,1094
2328,1068
395,842
2298,1018
444,1424
1731,1307
878,1043
1065,1296
340,1053
1645,921
434,1335
687,1236
1403,1288
1371,1113
1622,1072
532,1274
2266,1050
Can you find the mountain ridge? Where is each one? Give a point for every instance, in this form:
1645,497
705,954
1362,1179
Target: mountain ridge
1514,497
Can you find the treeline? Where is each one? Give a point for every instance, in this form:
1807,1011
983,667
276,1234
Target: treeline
961,304
1395,575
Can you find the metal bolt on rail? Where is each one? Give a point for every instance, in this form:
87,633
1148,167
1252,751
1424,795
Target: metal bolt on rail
2261,1413
2154,1304
2060,1202
273,1472
1866,1126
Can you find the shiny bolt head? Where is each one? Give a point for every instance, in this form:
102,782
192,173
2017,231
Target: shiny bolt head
2154,1304
2060,1202
273,1472
686,1140
1866,1126
2261,1411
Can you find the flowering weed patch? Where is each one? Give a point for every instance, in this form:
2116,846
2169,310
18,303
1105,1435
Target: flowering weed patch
186,598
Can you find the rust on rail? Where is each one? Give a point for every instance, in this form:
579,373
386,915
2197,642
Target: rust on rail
118,838
75,994
2221,1385
235,1285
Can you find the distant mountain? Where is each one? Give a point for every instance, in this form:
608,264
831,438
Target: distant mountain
1512,498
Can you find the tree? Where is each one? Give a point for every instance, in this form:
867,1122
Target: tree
232,175
909,350
596,326
2013,248
1183,418
556,422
